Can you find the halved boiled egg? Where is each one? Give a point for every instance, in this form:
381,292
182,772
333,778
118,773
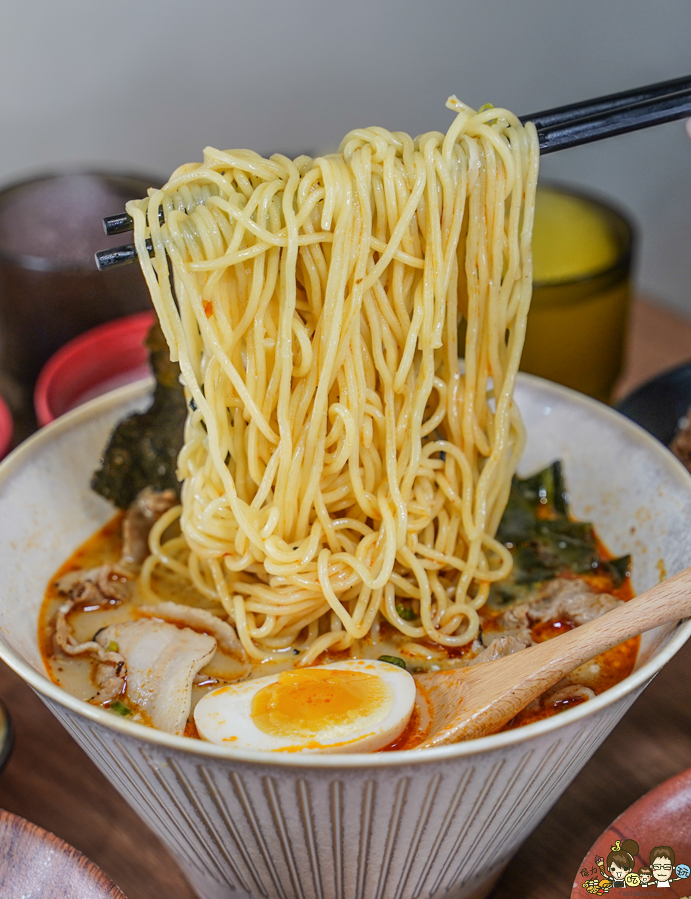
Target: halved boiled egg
358,705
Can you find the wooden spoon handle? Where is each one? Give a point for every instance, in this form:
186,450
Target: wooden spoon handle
665,602
494,692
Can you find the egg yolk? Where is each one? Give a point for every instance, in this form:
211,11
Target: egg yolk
302,703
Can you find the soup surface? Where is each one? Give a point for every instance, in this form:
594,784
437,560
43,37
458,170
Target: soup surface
563,576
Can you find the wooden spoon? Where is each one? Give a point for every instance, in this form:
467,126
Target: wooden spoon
472,702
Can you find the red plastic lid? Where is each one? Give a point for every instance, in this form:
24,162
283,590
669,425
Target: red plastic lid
6,429
93,363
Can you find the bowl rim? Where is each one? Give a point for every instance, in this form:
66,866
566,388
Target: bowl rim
653,382
52,692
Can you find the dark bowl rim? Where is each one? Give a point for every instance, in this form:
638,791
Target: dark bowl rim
41,263
654,381
6,736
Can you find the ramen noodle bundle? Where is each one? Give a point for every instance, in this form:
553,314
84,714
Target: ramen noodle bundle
342,472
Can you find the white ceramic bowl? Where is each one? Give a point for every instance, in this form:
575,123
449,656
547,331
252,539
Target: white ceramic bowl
384,826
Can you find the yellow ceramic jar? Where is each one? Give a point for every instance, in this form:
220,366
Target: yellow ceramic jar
582,284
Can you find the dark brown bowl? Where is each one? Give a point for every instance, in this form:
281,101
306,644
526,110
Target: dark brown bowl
50,288
6,736
660,403
36,863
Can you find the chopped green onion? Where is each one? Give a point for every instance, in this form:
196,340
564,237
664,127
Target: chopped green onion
406,612
394,660
112,646
119,708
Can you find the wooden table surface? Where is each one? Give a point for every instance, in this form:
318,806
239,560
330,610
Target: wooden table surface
51,782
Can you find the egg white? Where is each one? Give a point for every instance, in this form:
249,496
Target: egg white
224,715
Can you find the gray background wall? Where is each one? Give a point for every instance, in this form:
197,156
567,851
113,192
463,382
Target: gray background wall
146,84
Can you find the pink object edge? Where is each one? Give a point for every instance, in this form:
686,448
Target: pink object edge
89,359
6,428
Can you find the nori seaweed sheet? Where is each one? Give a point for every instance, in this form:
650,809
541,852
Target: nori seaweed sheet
544,540
143,448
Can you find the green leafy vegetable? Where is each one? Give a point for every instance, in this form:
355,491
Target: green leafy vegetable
544,540
119,708
143,449
112,646
618,569
394,660
555,546
407,613
544,491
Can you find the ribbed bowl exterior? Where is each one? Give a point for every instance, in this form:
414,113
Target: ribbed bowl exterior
418,831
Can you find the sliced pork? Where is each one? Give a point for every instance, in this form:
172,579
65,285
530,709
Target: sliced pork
570,599
110,672
162,661
198,620
502,646
515,620
141,516
97,586
565,692
67,643
111,679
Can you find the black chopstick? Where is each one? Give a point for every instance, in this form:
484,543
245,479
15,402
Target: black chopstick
574,133
558,129
117,224
561,115
122,255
